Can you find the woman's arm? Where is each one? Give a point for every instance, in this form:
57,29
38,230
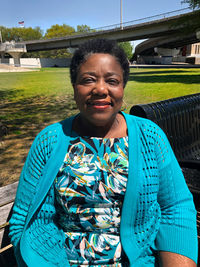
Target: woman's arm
169,259
177,234
37,157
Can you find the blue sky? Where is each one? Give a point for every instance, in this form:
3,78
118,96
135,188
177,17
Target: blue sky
94,13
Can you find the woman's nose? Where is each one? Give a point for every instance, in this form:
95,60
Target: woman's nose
101,88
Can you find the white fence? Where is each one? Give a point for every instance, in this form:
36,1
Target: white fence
38,62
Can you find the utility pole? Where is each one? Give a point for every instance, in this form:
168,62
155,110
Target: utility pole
1,37
121,26
1,53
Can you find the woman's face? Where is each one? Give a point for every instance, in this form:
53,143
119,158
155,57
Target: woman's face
98,90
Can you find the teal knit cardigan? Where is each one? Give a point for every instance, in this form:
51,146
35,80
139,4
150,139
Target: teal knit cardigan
157,214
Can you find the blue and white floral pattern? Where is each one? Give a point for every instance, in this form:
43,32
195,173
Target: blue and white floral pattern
90,188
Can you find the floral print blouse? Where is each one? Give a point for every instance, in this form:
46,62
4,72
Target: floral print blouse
90,187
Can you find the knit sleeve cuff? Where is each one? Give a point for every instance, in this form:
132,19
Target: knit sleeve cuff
178,240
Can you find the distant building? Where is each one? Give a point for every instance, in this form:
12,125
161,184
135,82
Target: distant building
194,49
189,54
147,53
193,53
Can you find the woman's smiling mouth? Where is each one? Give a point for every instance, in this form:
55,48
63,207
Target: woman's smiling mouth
99,104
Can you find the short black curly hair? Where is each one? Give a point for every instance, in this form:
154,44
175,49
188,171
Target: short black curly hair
94,46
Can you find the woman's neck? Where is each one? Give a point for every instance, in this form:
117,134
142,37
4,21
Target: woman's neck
113,129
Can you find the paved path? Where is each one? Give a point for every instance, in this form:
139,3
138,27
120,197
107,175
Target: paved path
8,68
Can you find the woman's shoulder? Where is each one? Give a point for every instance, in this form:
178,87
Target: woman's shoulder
142,122
147,128
56,128
50,135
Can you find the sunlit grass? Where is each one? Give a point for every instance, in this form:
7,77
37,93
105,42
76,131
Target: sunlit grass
39,96
145,85
151,85
46,82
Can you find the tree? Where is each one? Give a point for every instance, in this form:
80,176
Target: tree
59,31
83,28
21,34
128,49
54,32
192,3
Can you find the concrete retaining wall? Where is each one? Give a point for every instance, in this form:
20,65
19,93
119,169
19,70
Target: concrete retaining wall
181,59
154,60
39,62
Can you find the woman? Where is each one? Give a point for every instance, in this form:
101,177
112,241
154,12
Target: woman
102,188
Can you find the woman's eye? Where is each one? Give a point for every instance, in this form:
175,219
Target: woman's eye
87,80
113,81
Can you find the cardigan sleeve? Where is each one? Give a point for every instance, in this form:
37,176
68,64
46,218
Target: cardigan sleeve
43,241
38,155
177,232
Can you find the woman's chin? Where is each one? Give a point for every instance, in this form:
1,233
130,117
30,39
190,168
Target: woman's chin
100,119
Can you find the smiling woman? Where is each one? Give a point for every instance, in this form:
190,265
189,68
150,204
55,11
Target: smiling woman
102,188
98,92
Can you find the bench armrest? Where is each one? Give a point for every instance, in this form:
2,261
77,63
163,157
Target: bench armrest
191,164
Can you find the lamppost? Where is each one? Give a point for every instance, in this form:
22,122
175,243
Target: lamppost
1,40
121,26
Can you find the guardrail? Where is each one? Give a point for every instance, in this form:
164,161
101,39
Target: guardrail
143,20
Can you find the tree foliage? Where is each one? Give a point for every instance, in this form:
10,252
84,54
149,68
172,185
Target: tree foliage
59,31
128,49
54,53
54,32
83,28
21,34
192,3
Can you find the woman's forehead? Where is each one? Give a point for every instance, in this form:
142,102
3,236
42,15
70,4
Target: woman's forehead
100,60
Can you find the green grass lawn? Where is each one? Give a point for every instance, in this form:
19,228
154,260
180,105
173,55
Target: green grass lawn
145,85
151,85
31,100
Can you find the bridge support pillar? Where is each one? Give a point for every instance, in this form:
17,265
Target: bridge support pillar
167,54
16,57
2,55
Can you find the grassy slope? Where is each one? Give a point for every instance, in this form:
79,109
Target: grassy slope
31,100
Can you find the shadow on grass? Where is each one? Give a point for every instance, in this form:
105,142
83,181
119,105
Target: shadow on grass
149,78
7,94
25,118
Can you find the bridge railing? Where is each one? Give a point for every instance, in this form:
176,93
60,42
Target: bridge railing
143,20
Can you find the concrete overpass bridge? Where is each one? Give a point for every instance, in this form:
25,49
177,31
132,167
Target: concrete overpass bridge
169,46
173,25
169,31
146,48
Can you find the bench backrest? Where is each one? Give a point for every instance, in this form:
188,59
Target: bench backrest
180,120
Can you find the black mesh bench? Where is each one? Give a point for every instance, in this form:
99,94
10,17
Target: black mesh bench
180,120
